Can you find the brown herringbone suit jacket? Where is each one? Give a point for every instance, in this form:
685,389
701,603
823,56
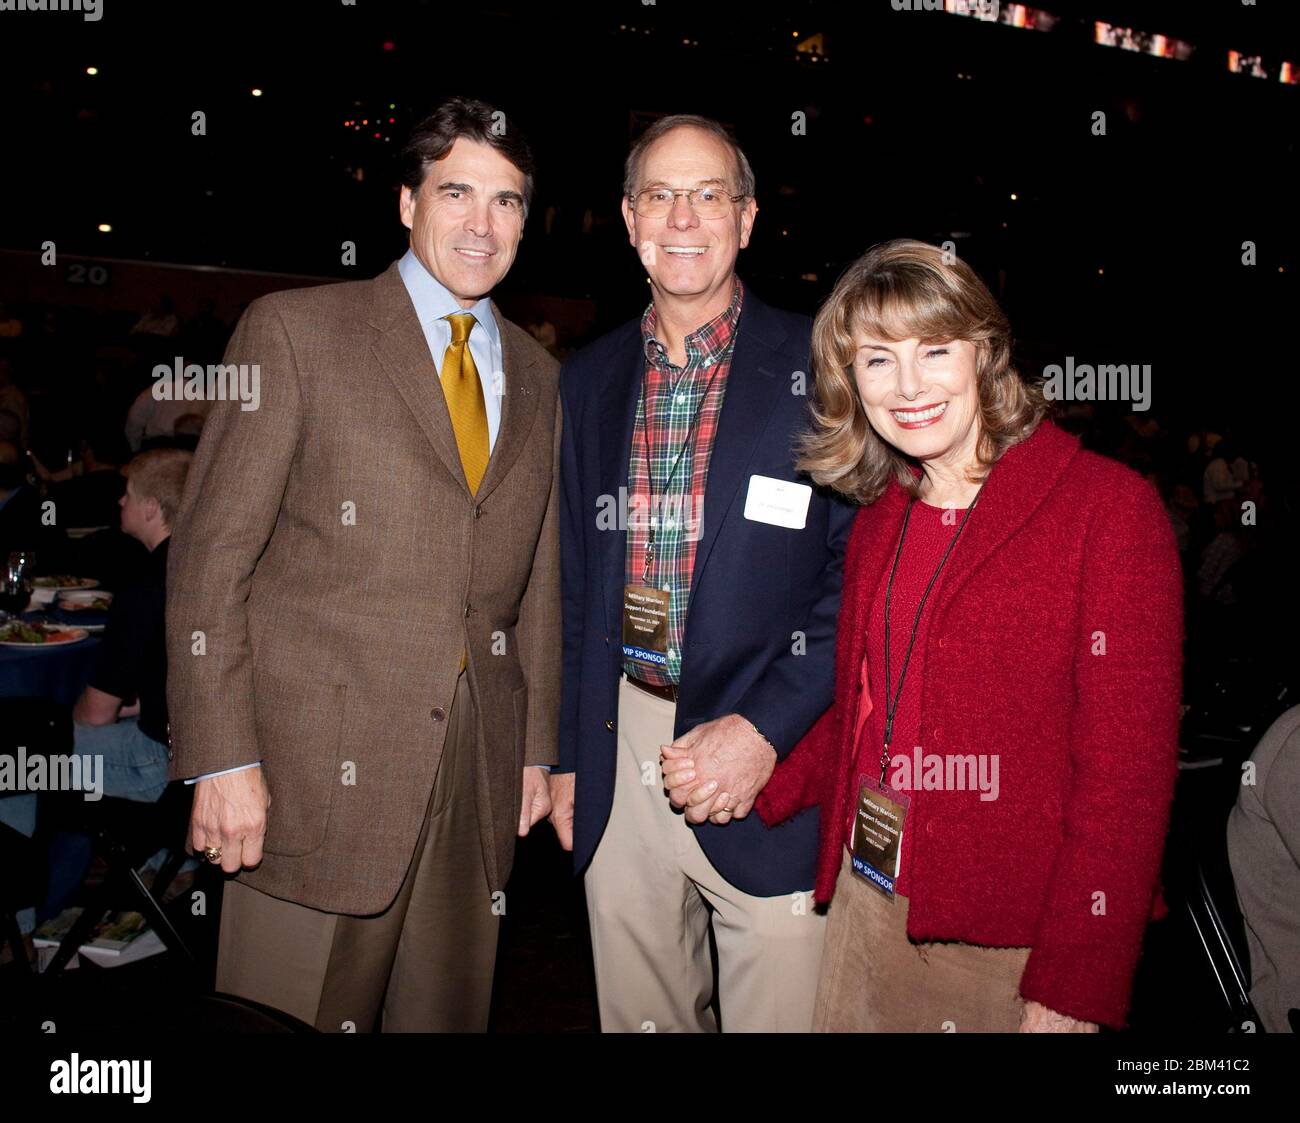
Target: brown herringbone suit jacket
327,566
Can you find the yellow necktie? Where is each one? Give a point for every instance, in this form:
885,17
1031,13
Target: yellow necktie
464,394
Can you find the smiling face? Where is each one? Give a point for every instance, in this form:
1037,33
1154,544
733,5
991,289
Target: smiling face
690,259
466,219
922,398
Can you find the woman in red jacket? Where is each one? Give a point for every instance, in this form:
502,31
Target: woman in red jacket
995,774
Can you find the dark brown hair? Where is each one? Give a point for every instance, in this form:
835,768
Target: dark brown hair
458,117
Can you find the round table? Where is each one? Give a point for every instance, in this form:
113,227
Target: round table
58,673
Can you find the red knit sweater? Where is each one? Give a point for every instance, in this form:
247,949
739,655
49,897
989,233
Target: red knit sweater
1055,641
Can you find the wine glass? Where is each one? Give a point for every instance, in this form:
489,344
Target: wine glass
16,584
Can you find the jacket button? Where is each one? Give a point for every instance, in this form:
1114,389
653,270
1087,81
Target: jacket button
468,610
607,641
929,826
943,641
935,733
478,510
438,713
610,726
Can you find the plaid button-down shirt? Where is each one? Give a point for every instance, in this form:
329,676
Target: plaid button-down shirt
669,400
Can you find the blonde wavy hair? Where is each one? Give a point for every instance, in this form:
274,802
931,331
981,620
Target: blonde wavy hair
907,289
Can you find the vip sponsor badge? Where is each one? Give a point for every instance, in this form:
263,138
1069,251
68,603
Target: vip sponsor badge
877,838
645,624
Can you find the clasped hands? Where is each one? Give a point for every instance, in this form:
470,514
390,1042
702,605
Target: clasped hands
716,770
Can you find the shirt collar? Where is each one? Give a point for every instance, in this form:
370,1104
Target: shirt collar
708,343
432,300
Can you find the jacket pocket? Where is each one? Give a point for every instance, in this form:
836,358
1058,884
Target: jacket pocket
299,726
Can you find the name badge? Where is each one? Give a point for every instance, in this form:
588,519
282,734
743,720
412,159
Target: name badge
779,502
877,839
645,624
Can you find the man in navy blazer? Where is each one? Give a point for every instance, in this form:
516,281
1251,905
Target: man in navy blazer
701,585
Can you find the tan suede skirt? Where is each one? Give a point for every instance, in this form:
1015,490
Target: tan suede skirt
875,980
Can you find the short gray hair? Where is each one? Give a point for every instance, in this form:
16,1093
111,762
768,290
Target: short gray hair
665,125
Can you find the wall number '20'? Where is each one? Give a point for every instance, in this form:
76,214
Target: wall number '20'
82,274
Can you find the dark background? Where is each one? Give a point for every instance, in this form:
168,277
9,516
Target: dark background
919,123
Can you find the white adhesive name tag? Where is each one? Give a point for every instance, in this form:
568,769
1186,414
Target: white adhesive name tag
779,502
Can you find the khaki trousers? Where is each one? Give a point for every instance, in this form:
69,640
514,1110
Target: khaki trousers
875,980
650,890
425,963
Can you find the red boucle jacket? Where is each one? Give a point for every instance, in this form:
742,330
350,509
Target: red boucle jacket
1055,640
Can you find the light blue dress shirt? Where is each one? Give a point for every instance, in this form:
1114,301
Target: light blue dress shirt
432,302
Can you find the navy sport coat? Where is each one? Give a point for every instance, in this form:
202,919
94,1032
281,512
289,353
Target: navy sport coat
760,628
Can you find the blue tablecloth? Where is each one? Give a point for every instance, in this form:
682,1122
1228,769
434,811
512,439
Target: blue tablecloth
58,673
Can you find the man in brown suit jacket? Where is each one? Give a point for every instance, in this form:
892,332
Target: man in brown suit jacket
363,613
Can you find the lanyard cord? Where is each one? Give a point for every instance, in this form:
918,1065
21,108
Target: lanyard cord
891,702
649,471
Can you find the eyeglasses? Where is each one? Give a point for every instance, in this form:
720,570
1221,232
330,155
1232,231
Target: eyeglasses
707,202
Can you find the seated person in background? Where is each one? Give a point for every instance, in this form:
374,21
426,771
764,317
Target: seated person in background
1219,481
121,716
14,402
205,336
159,319
1214,577
149,418
1264,852
11,426
11,327
92,498
21,526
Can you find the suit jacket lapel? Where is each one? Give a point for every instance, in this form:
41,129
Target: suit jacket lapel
519,406
752,393
618,402
403,353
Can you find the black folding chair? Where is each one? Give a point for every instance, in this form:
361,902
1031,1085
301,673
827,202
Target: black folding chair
18,888
39,727
127,833
1220,947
